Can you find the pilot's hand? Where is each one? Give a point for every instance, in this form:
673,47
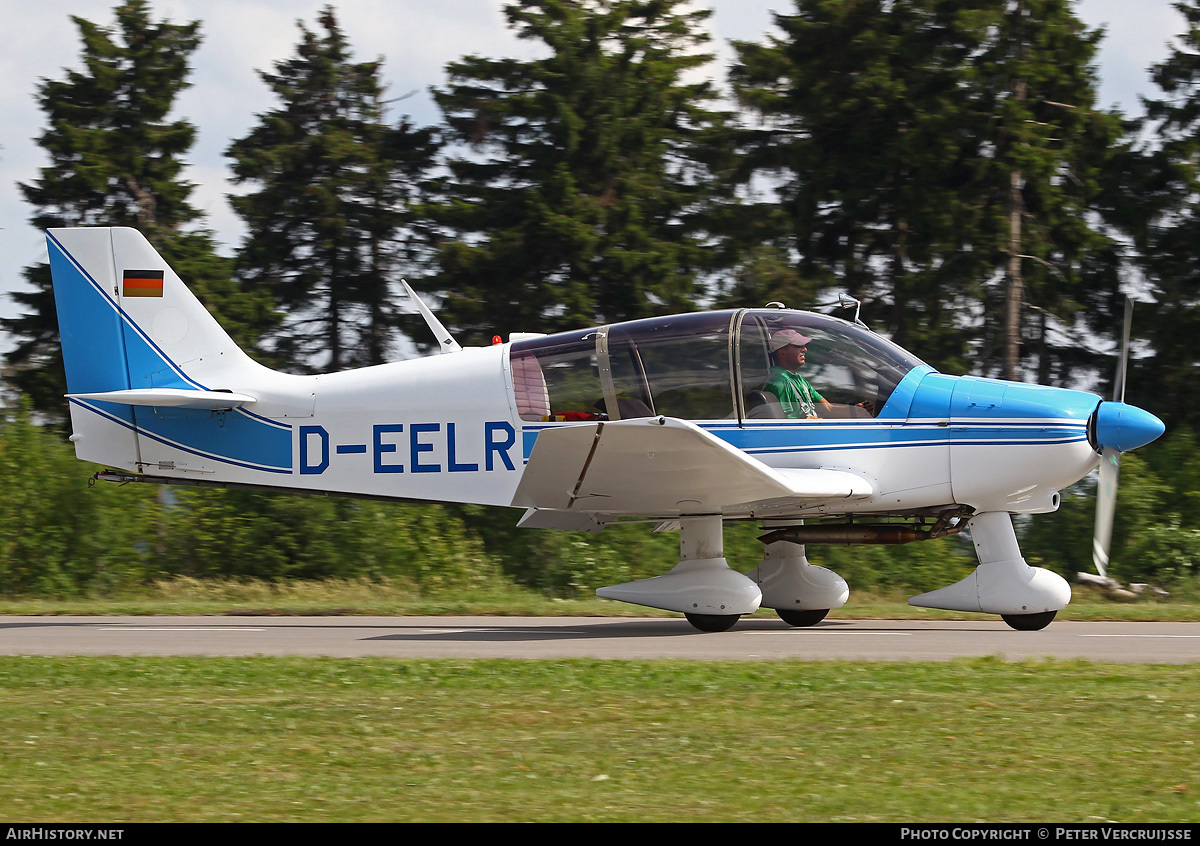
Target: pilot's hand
867,406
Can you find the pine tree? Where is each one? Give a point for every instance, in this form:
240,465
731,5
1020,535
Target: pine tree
940,157
116,160
333,186
1163,180
1052,146
579,191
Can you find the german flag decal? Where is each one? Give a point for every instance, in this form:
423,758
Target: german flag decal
142,283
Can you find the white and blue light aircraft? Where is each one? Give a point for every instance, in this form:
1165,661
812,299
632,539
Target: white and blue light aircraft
664,420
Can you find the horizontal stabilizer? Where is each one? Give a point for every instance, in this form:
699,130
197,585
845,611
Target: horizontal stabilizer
171,398
661,466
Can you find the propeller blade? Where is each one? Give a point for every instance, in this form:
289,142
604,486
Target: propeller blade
1110,462
1123,361
1106,501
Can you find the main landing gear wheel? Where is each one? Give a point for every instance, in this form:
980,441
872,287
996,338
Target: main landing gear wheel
802,619
713,622
1029,622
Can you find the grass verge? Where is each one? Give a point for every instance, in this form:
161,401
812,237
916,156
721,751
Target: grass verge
328,740
387,598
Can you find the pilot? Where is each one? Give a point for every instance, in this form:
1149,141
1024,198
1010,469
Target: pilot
798,398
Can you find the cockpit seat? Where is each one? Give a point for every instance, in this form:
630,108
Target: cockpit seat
763,405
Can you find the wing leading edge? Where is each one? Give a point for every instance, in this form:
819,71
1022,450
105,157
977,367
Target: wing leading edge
661,467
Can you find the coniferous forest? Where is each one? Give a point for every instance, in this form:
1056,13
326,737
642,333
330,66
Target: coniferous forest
945,162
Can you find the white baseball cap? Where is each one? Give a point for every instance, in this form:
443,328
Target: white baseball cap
786,337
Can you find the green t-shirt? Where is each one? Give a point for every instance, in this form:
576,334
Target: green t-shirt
798,398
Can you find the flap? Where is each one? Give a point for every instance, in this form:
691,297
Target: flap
661,466
575,521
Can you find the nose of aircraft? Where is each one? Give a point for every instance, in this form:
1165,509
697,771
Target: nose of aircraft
1124,427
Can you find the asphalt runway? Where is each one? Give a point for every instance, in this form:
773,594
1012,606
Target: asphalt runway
597,637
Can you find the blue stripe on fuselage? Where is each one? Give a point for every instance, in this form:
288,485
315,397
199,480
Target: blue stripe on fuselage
809,436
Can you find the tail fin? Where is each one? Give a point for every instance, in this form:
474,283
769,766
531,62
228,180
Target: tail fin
152,378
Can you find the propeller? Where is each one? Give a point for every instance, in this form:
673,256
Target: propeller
1106,501
1110,463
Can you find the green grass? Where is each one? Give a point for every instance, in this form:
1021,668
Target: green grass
328,740
364,597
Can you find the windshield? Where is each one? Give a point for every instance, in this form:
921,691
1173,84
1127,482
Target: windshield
850,370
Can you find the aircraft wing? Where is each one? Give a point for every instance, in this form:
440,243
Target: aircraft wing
661,466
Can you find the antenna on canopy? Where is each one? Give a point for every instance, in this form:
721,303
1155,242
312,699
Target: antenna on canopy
444,338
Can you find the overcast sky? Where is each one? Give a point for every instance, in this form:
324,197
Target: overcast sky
415,39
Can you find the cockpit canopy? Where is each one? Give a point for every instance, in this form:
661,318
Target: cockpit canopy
702,366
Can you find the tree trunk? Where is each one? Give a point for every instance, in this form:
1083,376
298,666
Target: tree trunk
1016,284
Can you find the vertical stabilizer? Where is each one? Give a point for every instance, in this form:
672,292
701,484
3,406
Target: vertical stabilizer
127,320
153,380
